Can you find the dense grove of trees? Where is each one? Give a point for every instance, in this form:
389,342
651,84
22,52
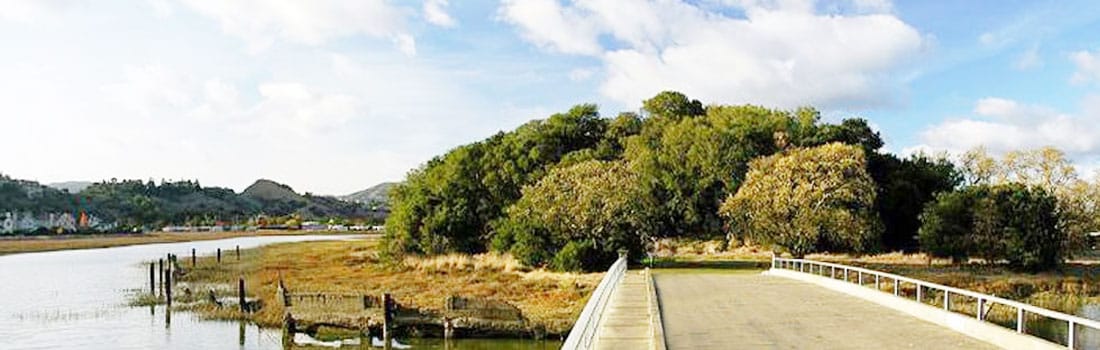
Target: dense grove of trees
534,192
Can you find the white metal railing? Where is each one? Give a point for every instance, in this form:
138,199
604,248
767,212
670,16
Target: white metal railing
984,300
583,334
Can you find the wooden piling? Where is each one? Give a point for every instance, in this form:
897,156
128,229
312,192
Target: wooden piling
153,278
240,294
448,328
289,328
168,288
160,270
193,258
219,255
238,253
387,320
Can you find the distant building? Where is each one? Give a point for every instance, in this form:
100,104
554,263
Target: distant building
313,226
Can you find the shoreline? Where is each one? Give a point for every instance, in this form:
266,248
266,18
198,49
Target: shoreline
483,296
50,243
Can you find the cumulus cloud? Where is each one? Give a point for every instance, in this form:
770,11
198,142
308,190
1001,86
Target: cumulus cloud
1088,67
781,53
435,11
32,10
262,22
1003,125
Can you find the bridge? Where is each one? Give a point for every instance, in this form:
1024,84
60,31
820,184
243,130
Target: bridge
805,304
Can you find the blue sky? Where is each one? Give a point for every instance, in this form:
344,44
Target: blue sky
332,96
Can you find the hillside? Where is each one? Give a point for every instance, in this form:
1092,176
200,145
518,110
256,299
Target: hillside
136,203
377,194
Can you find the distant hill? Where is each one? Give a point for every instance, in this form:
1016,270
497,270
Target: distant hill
71,186
377,194
267,190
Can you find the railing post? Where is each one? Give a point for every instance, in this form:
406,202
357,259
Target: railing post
833,273
981,309
919,293
897,287
860,277
773,260
946,300
1021,323
1071,340
877,284
846,274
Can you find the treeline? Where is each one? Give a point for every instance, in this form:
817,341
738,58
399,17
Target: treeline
136,204
569,191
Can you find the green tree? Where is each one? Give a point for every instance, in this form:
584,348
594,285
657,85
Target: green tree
578,217
1012,222
806,200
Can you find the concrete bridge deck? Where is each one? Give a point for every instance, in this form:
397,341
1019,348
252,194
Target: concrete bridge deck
626,323
724,310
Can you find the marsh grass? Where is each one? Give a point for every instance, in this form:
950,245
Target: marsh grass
550,300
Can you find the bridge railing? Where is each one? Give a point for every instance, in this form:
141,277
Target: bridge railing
583,335
984,301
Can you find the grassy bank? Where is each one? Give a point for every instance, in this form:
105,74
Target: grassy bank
29,244
548,301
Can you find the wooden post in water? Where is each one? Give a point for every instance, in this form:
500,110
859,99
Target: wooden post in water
238,253
168,287
240,293
387,320
153,278
219,255
288,330
192,257
160,270
448,328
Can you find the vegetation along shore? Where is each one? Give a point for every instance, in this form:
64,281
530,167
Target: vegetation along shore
331,287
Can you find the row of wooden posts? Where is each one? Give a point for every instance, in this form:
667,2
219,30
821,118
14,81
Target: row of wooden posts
169,266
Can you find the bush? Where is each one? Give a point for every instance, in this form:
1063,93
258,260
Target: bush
1013,223
578,256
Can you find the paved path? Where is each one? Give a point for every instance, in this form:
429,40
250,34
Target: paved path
626,320
751,311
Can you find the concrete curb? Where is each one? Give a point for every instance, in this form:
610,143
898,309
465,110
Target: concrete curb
656,325
987,332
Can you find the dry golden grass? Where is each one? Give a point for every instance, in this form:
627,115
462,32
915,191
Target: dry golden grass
28,244
548,299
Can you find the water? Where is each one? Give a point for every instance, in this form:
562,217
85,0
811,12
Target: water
77,299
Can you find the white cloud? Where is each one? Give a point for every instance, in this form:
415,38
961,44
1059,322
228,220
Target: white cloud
436,13
263,22
780,54
581,74
1003,125
1088,67
1029,59
32,10
551,26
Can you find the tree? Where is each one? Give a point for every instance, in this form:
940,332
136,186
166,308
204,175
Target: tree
807,200
1012,222
904,186
449,203
672,104
578,217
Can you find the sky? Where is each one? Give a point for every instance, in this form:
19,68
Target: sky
334,96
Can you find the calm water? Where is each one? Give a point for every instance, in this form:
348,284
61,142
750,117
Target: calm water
77,300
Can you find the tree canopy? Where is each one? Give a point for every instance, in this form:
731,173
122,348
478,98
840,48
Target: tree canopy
808,199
